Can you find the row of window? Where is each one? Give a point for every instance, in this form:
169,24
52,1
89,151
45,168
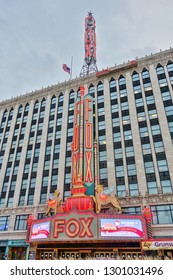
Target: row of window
131,170
150,169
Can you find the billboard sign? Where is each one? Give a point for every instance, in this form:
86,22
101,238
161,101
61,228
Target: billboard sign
157,245
121,228
40,231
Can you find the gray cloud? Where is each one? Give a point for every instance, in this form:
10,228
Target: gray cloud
37,37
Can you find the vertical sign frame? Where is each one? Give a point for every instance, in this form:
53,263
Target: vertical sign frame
88,145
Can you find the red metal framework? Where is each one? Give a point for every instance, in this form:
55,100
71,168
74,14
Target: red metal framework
89,65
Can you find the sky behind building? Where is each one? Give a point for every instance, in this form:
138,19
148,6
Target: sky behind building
37,37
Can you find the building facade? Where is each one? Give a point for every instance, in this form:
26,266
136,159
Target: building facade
133,131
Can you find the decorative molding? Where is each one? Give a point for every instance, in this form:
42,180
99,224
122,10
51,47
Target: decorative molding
161,57
23,210
127,201
155,199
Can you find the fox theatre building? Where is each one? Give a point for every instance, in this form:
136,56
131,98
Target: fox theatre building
77,228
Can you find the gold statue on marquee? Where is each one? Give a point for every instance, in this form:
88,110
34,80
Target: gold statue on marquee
53,203
105,196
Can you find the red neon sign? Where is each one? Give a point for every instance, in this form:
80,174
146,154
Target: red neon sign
75,162
88,177
76,112
76,138
88,135
88,109
73,228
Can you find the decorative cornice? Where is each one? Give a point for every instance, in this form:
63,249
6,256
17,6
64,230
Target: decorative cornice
155,199
159,199
161,57
23,210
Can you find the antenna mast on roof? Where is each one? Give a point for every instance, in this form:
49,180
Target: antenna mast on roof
89,65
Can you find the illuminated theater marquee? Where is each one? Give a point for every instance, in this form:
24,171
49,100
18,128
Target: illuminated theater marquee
76,226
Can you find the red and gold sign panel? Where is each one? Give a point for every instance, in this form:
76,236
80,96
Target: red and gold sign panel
88,145
76,140
85,225
74,227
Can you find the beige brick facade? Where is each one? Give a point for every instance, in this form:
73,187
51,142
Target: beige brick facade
144,197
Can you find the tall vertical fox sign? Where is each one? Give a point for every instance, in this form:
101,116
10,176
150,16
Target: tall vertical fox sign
88,145
76,142
82,145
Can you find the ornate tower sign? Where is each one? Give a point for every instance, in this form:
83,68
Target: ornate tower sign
89,65
82,146
88,145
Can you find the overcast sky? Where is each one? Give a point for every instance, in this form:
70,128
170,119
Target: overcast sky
38,36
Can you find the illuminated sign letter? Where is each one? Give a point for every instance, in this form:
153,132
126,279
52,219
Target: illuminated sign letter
76,112
76,138
86,227
72,228
88,136
88,176
75,160
58,227
88,109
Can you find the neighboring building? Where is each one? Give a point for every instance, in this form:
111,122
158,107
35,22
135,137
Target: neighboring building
133,119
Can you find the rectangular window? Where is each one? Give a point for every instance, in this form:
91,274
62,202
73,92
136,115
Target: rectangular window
43,198
32,183
30,199
159,147
149,167
118,153
4,221
13,185
2,200
133,189
21,200
166,186
10,202
29,153
120,171
162,214
45,181
132,210
54,180
21,222
129,151
121,191
152,187
24,184
103,173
